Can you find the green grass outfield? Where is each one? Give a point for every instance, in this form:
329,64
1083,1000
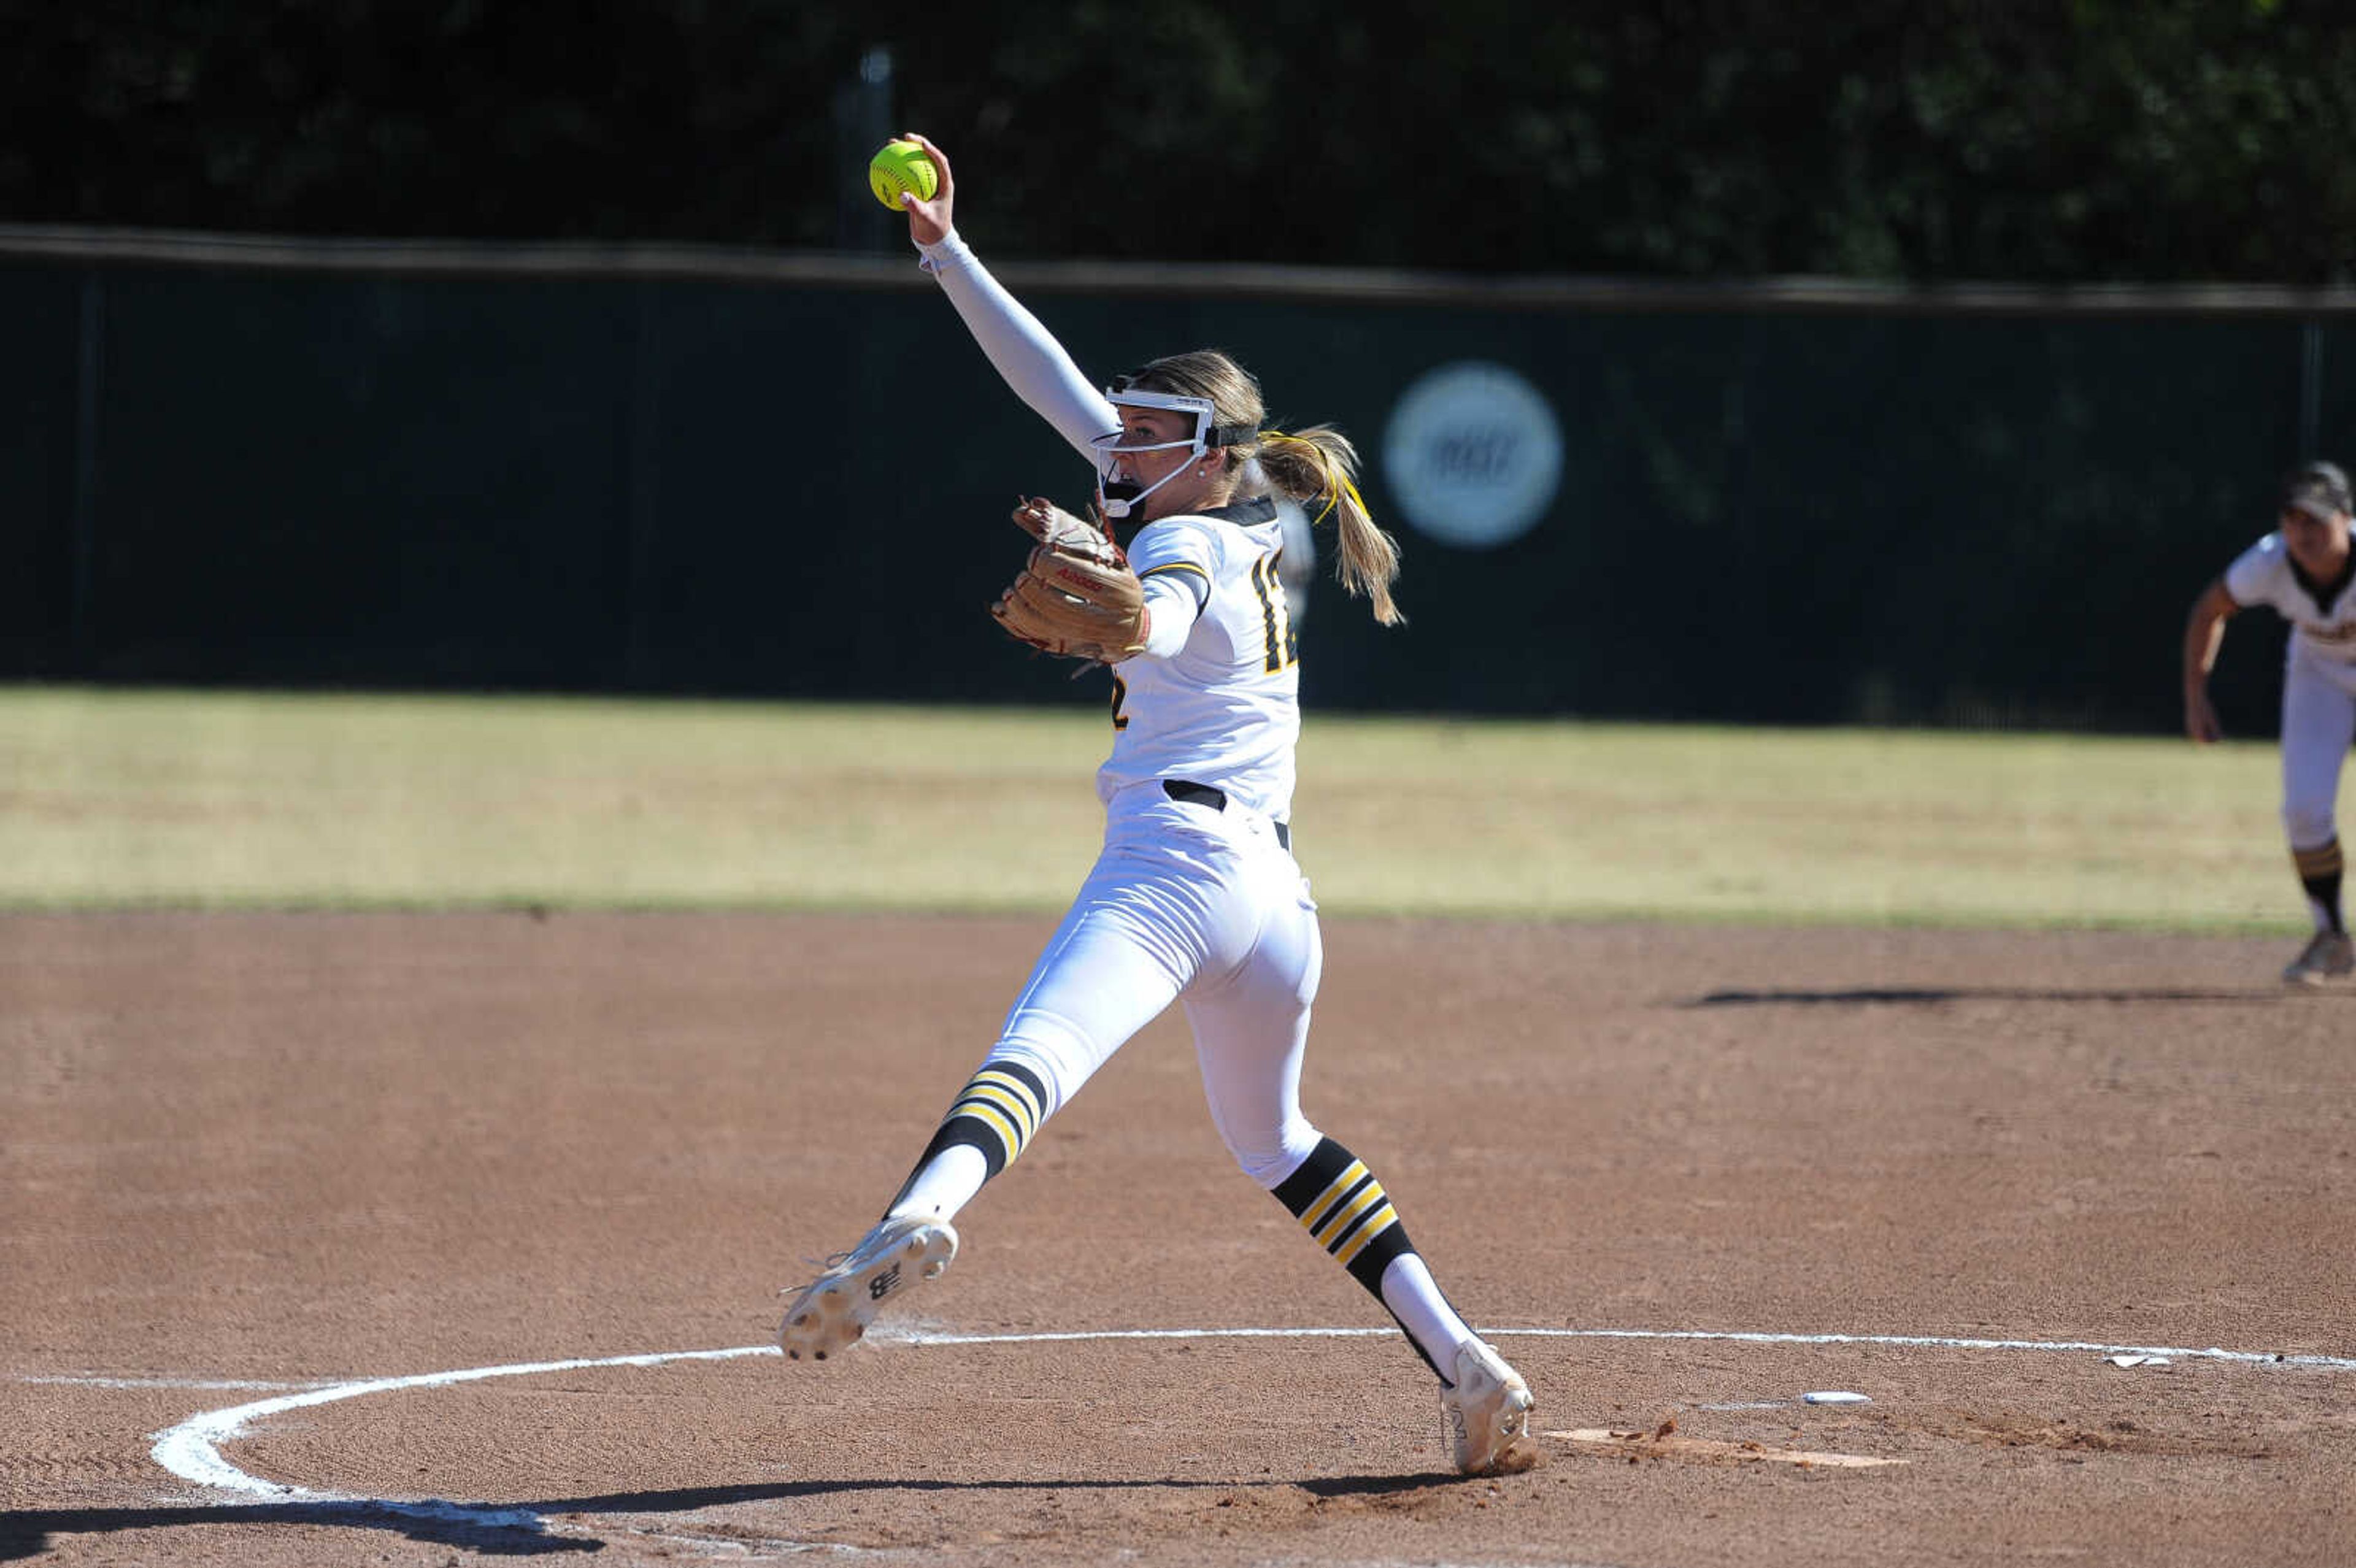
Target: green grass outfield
123,799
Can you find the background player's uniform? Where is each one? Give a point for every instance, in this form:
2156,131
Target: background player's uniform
2318,698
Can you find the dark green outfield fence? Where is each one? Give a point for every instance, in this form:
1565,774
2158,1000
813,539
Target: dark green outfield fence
734,474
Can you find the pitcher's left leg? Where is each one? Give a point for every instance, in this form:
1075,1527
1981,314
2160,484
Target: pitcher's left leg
1250,1034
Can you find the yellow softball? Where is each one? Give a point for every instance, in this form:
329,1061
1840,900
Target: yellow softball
902,166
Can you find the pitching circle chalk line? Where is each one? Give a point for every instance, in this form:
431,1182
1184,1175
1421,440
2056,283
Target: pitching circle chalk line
191,1450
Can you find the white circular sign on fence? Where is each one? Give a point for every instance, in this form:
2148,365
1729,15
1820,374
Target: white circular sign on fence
1472,453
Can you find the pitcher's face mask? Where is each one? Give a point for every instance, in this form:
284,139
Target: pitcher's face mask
1122,496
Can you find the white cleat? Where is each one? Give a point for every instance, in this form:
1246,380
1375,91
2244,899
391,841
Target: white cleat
2327,955
833,1310
1486,1416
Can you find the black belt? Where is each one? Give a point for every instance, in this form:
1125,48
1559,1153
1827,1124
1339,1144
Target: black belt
1216,799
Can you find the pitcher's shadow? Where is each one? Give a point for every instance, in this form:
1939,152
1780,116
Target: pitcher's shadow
1935,996
483,1527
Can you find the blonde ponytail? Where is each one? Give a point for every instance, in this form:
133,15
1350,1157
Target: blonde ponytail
1319,465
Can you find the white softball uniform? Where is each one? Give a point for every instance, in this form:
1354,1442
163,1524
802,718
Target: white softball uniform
1222,706
1195,897
2318,700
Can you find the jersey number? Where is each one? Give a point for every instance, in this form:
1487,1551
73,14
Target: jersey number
1275,616
1283,647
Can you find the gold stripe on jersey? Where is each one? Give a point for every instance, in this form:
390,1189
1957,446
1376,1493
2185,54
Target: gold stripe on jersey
1178,566
1275,622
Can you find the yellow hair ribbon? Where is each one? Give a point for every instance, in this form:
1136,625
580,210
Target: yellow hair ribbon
1337,484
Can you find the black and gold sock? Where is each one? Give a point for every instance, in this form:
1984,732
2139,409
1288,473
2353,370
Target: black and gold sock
997,1111
2319,872
1345,1211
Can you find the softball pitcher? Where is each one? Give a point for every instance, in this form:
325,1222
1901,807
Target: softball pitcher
1195,897
2303,570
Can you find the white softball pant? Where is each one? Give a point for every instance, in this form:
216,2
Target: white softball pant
1194,904
2318,722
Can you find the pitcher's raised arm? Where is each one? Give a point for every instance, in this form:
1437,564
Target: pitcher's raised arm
1023,350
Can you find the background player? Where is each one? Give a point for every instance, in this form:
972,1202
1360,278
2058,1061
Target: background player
2303,570
1196,898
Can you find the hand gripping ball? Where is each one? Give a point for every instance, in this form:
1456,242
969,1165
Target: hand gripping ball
902,166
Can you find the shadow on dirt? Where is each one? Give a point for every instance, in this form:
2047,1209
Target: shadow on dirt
26,1533
1938,996
521,1529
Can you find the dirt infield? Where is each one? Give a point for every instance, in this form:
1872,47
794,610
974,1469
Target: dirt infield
1687,1175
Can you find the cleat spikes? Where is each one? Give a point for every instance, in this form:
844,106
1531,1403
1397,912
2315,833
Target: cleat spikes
832,1311
1485,1415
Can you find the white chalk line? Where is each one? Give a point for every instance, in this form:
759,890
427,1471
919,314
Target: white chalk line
191,1450
1915,1342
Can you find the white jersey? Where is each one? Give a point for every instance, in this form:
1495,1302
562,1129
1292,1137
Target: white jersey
2319,696
2322,614
1224,709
